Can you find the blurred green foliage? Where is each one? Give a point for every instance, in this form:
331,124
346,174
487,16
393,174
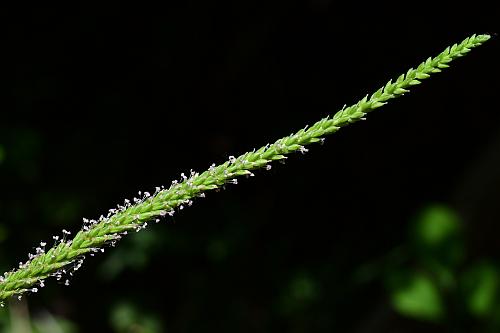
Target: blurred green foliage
480,284
126,318
416,295
435,282
17,319
437,236
300,293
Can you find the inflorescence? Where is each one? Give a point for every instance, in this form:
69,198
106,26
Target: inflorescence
67,255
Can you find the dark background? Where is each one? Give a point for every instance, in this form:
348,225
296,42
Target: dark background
100,103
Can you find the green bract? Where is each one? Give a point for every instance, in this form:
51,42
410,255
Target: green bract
66,256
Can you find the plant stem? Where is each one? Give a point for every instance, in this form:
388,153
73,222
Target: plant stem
66,256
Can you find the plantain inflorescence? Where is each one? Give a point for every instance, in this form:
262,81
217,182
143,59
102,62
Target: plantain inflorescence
66,256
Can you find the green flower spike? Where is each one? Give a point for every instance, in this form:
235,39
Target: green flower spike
67,255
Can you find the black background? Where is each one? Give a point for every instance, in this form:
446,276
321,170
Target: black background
101,102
